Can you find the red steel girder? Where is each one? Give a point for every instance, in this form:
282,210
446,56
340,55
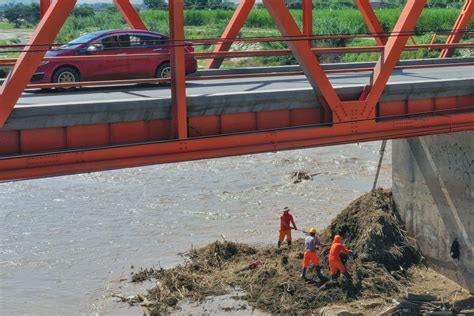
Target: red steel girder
231,31
461,24
46,31
303,54
96,159
308,19
373,23
243,10
178,73
302,51
391,53
27,62
125,7
130,14
44,5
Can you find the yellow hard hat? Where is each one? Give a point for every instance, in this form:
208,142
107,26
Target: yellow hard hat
312,230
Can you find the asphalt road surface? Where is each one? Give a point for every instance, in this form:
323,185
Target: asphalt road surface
208,87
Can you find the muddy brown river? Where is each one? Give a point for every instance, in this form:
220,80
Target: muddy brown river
67,243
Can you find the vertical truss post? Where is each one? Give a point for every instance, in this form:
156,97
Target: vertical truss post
130,15
392,51
303,54
178,76
231,31
308,19
373,23
44,5
28,61
461,24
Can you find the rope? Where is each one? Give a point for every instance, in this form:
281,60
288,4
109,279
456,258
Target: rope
382,152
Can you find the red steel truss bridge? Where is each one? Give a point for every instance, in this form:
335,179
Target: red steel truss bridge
224,112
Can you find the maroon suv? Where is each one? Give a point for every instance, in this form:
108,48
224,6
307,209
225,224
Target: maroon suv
113,42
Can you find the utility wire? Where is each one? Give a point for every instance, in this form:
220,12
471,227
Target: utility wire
207,41
280,38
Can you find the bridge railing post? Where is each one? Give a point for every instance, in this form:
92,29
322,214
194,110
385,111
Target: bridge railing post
308,20
178,73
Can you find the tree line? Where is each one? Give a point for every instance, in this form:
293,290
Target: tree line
297,4
21,15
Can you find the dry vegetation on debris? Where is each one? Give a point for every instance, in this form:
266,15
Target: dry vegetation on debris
383,253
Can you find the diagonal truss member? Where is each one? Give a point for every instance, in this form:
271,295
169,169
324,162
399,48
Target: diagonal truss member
461,24
54,15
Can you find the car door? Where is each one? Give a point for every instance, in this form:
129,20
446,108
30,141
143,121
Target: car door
108,68
140,45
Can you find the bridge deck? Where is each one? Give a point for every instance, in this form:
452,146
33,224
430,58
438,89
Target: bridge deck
236,85
40,109
116,127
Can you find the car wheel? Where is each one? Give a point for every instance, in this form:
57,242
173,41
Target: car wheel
163,71
66,75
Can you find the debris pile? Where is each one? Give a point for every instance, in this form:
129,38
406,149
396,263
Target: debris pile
270,277
300,175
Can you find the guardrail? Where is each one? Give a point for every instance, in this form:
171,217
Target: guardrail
233,54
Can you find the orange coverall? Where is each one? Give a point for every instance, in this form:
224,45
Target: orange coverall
285,228
335,263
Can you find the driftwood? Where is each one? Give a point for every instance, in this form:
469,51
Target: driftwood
419,304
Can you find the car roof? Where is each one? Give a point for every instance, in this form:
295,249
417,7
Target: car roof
129,31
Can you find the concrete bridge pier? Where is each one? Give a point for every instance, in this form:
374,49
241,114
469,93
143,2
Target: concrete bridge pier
433,187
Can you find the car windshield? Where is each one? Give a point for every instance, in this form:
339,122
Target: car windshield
81,40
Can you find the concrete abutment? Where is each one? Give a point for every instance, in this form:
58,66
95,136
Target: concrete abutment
433,187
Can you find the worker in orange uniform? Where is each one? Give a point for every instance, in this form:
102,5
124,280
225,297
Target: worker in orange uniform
310,255
285,229
335,264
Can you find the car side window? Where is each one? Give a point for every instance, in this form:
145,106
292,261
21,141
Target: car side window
145,41
110,42
124,40
116,41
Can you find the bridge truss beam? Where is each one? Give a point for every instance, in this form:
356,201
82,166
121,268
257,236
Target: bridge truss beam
461,24
132,155
53,16
231,31
342,120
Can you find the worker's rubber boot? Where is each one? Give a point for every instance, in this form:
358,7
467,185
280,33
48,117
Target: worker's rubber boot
289,243
348,276
279,244
335,276
303,273
318,272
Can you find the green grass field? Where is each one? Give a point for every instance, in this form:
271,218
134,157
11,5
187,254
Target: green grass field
203,23
6,26
211,23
